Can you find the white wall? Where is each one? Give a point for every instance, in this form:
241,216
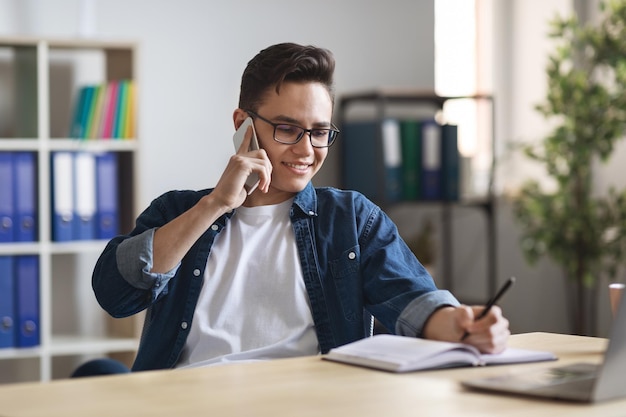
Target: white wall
194,51
521,48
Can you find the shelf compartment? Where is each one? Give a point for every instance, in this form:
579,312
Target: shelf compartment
77,345
40,78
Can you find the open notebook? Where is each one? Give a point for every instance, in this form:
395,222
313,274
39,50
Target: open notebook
578,382
404,354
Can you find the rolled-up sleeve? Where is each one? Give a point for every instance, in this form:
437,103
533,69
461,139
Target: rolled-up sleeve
135,259
414,316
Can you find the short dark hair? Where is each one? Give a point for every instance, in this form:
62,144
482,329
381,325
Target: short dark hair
285,62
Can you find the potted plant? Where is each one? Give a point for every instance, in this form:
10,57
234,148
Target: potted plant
585,233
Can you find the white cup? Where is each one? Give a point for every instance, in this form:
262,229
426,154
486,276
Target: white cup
615,295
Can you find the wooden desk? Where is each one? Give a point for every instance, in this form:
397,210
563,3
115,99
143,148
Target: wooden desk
307,386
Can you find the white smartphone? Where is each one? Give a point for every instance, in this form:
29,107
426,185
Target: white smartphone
253,180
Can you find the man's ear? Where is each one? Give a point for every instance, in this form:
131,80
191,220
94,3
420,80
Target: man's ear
238,117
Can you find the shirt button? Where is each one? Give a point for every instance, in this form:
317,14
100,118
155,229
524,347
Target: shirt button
311,212
351,255
214,227
196,272
183,325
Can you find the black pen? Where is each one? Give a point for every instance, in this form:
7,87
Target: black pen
493,301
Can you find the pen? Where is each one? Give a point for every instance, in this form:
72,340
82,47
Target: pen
493,301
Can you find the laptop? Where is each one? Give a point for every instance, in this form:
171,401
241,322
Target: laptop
582,382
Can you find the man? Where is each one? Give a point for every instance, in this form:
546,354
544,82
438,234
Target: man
287,270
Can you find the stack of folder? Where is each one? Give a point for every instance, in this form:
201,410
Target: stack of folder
18,197
104,111
19,301
84,195
420,160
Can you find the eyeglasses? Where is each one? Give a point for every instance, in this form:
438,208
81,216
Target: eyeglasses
291,134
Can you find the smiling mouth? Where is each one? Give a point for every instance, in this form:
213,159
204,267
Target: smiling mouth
299,167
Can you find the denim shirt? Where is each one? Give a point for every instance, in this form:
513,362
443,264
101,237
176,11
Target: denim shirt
354,264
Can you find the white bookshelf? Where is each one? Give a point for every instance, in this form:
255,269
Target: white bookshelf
44,76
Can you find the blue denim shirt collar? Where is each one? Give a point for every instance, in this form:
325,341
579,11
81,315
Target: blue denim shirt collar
306,200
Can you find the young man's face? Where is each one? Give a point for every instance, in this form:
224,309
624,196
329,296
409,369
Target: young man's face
307,105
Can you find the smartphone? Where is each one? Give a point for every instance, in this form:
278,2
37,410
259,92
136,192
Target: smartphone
253,180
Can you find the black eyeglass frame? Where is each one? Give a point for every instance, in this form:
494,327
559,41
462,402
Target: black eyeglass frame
333,131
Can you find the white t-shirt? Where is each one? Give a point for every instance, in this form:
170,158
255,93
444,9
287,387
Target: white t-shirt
253,304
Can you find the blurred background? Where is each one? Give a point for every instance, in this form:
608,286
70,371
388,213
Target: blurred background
192,53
